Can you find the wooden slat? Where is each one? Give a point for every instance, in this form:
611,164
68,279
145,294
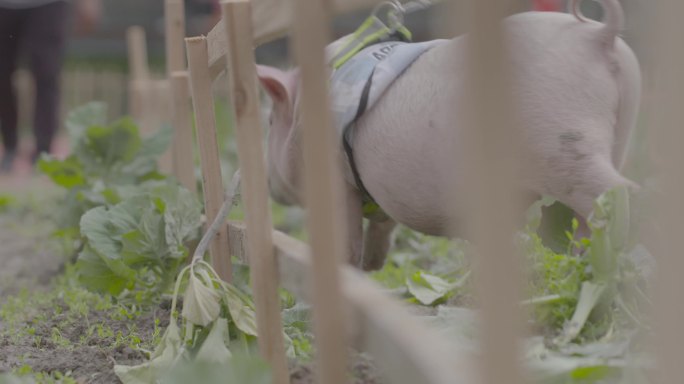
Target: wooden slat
406,350
322,188
139,73
137,53
174,13
218,48
244,94
271,19
161,116
668,135
176,156
138,102
488,145
205,122
183,146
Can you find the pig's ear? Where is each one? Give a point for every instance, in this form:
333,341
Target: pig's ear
275,82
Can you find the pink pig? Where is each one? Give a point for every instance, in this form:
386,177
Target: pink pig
577,87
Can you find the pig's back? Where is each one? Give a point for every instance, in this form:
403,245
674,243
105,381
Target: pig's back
405,144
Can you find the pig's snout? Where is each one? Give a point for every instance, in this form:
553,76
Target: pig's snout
277,193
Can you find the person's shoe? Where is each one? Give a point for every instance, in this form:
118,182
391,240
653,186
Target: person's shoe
7,161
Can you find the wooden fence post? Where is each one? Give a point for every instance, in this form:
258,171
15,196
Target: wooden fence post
322,179
174,14
489,147
205,122
244,95
183,161
137,53
669,136
139,73
160,114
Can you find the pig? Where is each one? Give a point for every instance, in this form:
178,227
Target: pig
577,88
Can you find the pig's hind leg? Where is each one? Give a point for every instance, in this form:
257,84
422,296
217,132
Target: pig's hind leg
354,226
376,243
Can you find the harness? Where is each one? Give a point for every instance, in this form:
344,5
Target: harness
364,65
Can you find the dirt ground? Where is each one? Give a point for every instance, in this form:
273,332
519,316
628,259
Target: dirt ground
30,262
91,361
26,261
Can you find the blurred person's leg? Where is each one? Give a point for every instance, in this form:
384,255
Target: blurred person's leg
46,34
10,35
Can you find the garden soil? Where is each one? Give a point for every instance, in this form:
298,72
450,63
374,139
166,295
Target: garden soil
29,261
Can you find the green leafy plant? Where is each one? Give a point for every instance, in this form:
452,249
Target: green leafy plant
107,160
607,256
6,202
425,270
131,224
554,282
140,242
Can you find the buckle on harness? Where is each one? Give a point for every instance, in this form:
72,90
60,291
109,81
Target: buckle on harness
373,31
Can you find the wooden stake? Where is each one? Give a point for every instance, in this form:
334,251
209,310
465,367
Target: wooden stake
137,53
174,12
244,94
183,148
161,116
665,239
205,122
117,88
139,74
489,147
323,182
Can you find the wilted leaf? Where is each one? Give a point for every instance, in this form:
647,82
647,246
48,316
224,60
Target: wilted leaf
144,373
428,288
170,342
239,370
241,310
213,349
589,296
148,372
201,304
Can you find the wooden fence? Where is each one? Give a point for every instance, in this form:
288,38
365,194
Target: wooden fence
349,309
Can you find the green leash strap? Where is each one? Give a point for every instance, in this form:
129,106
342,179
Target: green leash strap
372,31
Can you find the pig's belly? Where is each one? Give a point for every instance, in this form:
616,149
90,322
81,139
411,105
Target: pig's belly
409,175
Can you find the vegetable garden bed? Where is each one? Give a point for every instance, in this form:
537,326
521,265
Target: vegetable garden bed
62,321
